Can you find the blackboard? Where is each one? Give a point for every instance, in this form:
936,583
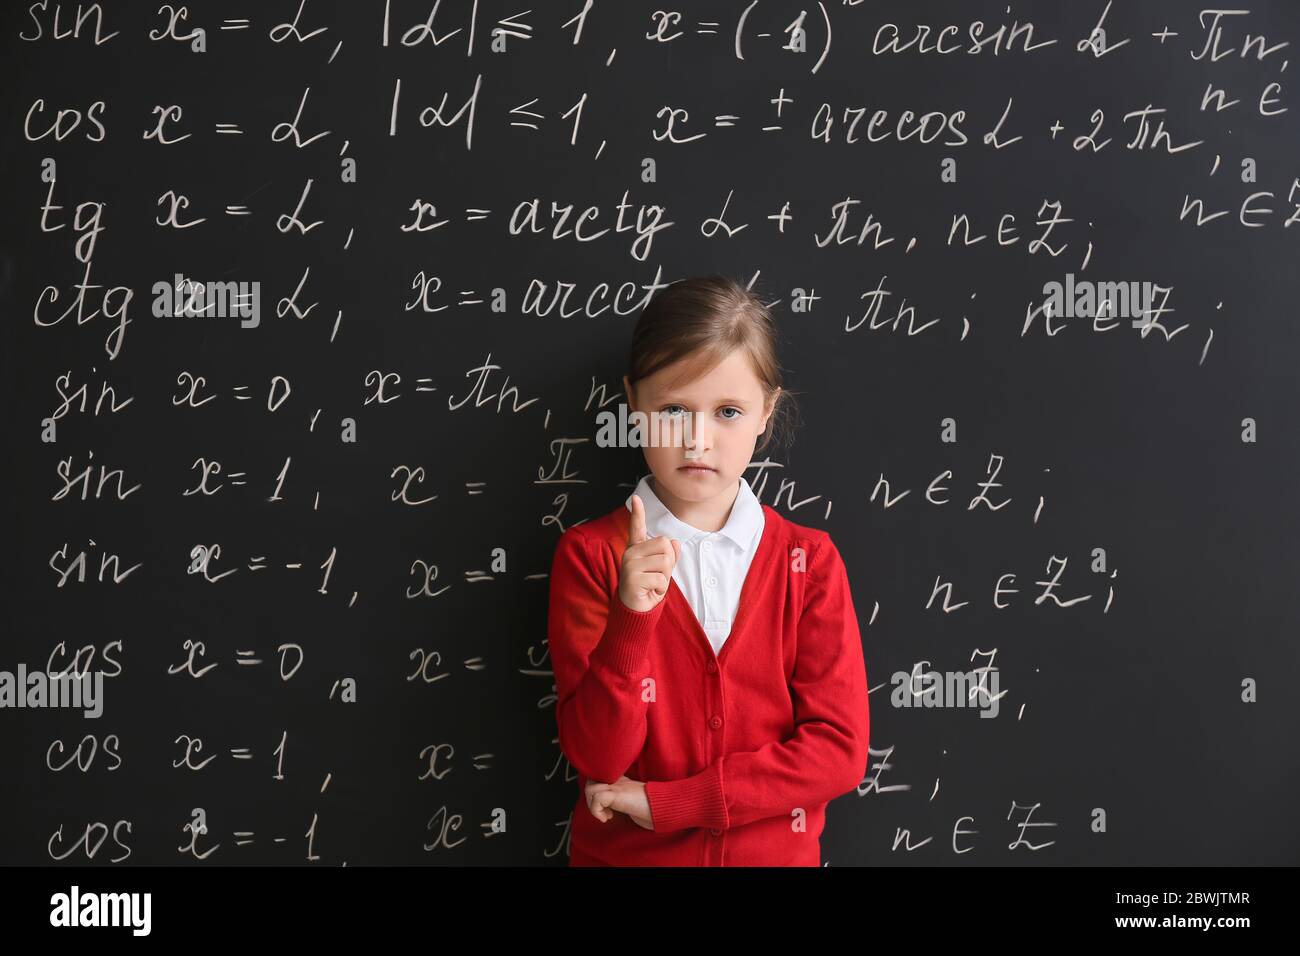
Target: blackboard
308,547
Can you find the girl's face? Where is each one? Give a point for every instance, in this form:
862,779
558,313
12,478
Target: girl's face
727,413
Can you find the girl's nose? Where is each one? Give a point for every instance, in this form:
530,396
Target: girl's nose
698,437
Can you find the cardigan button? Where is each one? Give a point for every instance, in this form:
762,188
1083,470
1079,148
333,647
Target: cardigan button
715,831
715,722
711,667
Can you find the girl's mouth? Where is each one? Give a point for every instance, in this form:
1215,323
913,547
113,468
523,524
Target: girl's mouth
696,469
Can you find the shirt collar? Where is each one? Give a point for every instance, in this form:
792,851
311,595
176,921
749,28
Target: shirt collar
743,524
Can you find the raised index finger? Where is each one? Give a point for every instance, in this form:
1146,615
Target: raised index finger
636,527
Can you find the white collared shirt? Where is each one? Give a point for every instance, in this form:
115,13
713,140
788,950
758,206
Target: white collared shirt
713,564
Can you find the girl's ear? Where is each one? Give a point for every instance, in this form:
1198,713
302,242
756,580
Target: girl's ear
771,406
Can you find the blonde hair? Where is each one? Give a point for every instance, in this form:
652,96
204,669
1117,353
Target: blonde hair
704,319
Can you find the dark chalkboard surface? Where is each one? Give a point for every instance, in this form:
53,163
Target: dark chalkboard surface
305,535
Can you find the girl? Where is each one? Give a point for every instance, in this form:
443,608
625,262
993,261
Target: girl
711,689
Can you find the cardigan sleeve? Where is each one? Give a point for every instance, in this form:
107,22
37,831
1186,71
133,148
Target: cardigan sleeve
599,651
827,754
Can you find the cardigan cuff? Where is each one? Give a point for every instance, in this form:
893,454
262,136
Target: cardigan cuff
689,802
627,636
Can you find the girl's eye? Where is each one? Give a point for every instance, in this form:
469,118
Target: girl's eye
669,411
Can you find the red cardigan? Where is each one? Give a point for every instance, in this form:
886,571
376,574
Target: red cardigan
740,751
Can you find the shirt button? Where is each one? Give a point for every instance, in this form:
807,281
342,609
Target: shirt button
707,545
712,582
715,722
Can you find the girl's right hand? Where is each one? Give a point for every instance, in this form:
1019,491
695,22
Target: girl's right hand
647,564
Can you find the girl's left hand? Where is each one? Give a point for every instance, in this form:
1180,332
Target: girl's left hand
624,795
